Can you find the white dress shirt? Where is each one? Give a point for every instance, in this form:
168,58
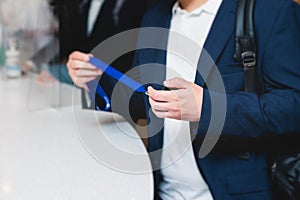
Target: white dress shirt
181,176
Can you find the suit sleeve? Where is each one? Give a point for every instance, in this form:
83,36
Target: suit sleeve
277,111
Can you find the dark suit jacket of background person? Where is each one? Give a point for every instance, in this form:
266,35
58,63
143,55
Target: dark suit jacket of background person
73,17
237,167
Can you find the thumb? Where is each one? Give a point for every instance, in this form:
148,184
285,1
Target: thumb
177,83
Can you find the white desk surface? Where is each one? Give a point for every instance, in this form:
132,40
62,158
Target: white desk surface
48,154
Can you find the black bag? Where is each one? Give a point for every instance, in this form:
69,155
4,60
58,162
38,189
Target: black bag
285,168
286,177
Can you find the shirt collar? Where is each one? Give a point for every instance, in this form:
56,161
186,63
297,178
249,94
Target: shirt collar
211,7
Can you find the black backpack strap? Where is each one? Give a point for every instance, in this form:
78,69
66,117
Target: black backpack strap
245,45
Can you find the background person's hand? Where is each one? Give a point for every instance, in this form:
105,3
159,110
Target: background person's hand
182,103
80,70
45,77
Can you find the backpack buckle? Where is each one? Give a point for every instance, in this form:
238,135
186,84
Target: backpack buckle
249,59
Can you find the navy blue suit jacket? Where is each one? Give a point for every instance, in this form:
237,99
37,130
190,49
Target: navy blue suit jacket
252,120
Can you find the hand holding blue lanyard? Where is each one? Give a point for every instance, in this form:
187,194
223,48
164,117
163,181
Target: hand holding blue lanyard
109,70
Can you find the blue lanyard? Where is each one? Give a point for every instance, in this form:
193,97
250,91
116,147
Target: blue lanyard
94,87
109,70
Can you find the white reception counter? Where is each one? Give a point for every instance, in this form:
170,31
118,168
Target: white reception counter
66,153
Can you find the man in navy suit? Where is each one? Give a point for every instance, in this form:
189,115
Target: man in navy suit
237,167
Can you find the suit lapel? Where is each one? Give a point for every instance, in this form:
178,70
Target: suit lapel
158,40
159,57
162,20
219,35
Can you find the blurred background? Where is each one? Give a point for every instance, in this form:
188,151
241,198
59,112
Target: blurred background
37,36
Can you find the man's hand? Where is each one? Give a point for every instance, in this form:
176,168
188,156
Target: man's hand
80,70
184,102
